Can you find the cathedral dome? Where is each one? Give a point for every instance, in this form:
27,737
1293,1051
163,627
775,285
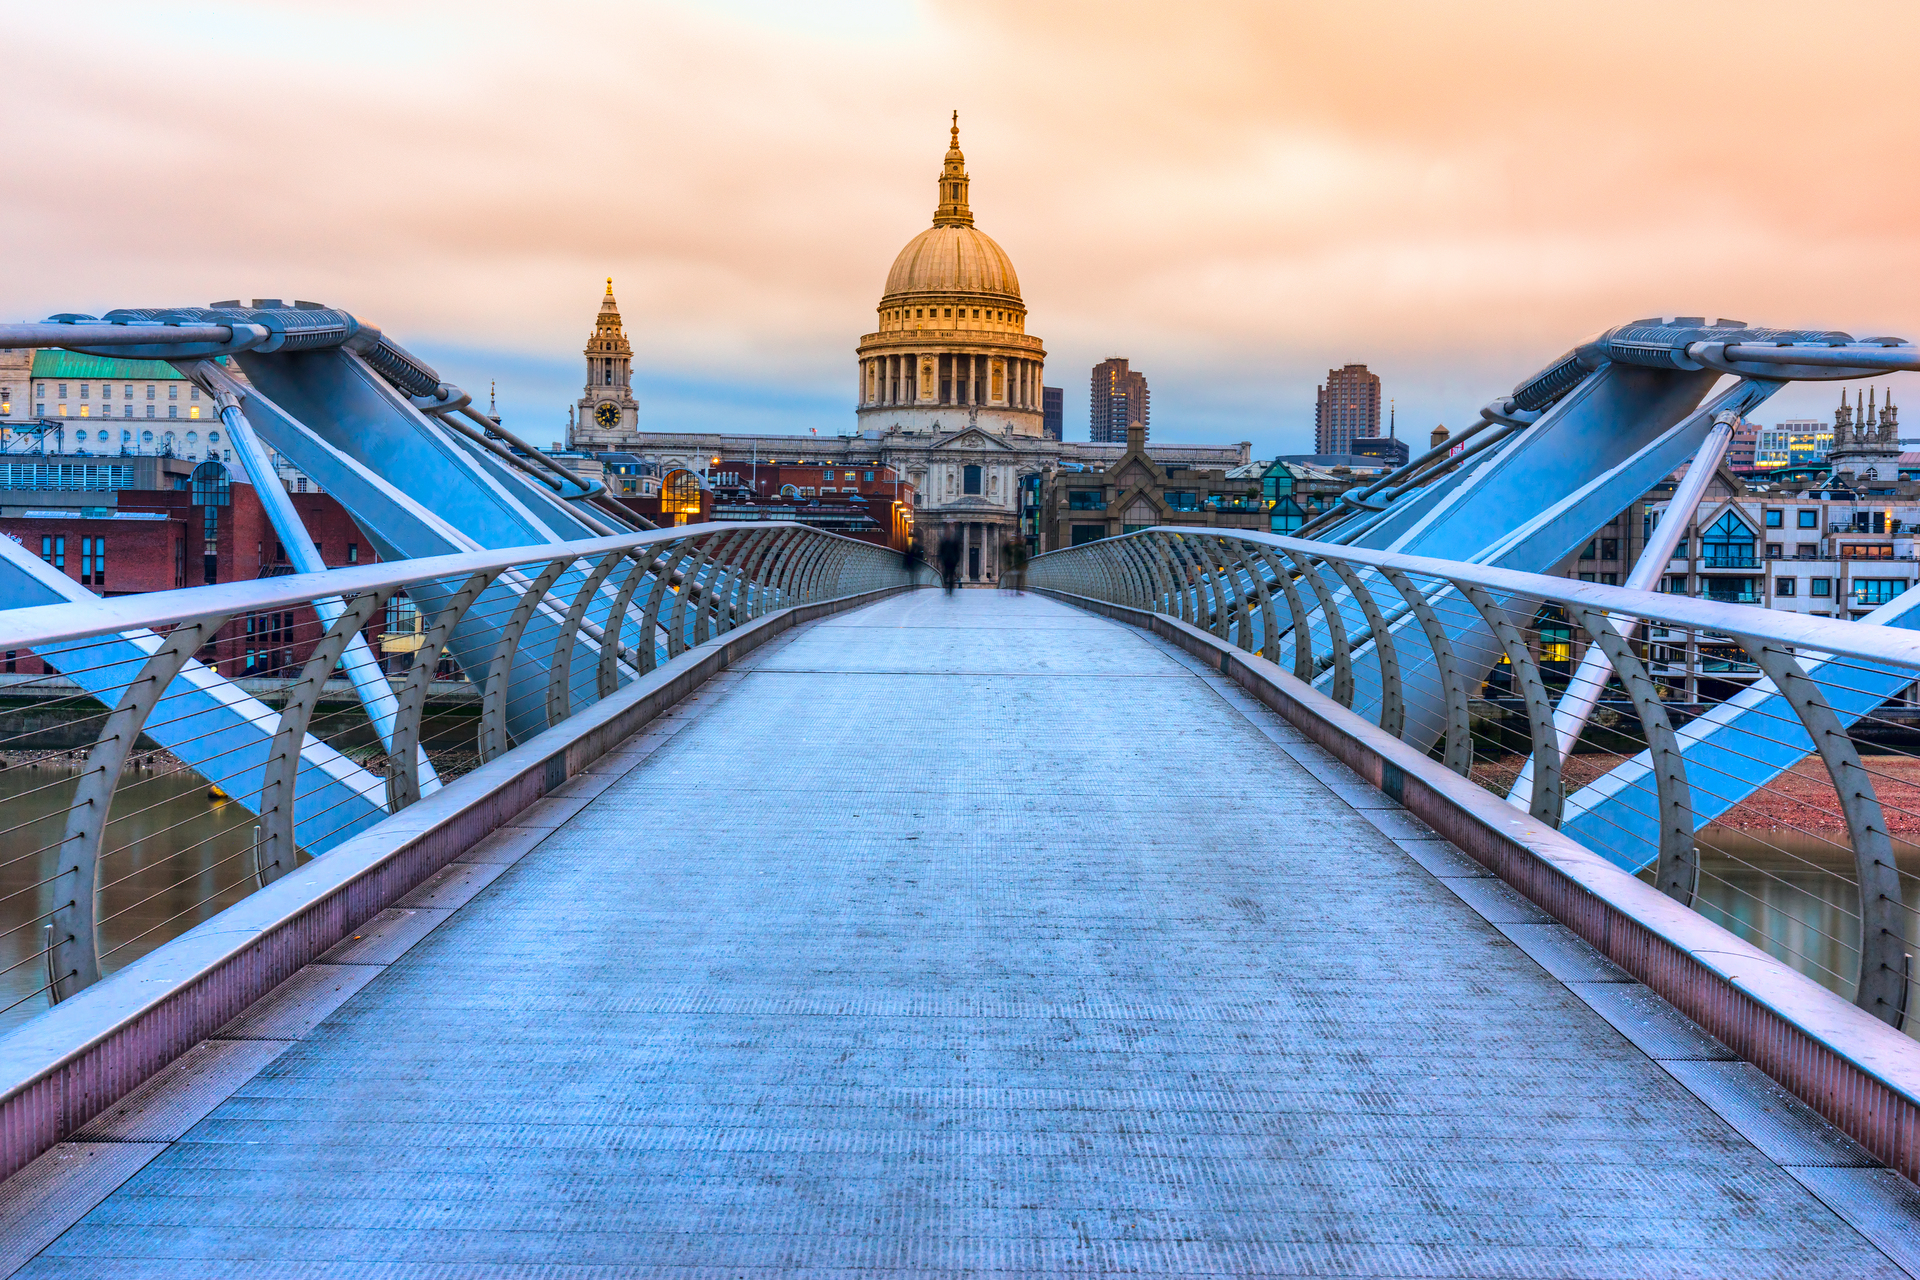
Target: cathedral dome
953,259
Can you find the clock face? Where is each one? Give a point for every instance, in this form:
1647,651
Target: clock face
607,415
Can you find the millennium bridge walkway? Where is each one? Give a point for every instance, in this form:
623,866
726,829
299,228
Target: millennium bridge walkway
959,934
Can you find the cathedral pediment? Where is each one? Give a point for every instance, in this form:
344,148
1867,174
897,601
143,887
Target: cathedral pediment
973,439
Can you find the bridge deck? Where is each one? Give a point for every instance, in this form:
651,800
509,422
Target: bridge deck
954,935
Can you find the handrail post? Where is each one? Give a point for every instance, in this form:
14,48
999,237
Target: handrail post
1336,630
1880,987
273,856
1457,754
1393,708
493,703
560,673
403,764
73,955
1549,795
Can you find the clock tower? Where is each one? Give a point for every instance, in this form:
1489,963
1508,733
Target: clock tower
607,412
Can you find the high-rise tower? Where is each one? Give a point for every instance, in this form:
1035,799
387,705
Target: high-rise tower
1347,406
1119,397
607,409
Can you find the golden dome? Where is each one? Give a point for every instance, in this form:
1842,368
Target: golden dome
953,256
953,259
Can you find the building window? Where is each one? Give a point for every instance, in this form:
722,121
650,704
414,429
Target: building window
1589,551
149,414
1805,550
1773,517
194,412
93,562
1085,533
869,477
173,391
149,394
1808,519
353,553
1784,586
1181,499
173,411
1868,592
1819,586
1773,551
53,549
63,391
1866,551
1727,543
84,388
970,480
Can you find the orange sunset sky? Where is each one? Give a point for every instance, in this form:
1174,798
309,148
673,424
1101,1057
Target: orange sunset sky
1235,196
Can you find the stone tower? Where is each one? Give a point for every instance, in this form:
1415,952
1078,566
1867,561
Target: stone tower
606,411
1866,439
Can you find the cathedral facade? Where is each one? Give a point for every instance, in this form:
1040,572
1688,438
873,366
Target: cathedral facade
948,394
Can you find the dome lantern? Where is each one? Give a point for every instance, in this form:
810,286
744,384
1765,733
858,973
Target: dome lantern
951,209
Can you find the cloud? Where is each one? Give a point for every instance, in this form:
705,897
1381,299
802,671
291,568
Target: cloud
1234,195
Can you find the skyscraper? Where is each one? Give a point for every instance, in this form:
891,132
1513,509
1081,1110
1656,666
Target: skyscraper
1347,406
1053,413
1119,397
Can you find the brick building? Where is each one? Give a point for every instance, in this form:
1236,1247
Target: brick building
124,525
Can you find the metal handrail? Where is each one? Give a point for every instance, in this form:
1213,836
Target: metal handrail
1220,579
528,646
106,615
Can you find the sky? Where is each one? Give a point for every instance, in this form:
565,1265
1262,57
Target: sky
1234,196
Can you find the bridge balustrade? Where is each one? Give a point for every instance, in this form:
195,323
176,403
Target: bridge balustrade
1780,808
484,650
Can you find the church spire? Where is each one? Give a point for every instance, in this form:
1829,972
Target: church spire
952,210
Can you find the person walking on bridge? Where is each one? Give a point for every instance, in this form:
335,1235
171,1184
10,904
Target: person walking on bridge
1014,576
949,558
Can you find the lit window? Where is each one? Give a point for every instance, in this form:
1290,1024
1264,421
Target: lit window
194,412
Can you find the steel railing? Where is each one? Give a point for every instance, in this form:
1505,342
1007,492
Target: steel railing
215,811
1779,807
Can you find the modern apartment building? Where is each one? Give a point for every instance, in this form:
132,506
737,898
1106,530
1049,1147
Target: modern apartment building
1119,397
1348,405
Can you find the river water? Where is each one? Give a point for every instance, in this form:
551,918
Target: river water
178,855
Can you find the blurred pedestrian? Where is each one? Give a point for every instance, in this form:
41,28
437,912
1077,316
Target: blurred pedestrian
1014,558
949,558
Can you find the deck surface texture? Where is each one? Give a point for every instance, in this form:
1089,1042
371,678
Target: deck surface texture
962,935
